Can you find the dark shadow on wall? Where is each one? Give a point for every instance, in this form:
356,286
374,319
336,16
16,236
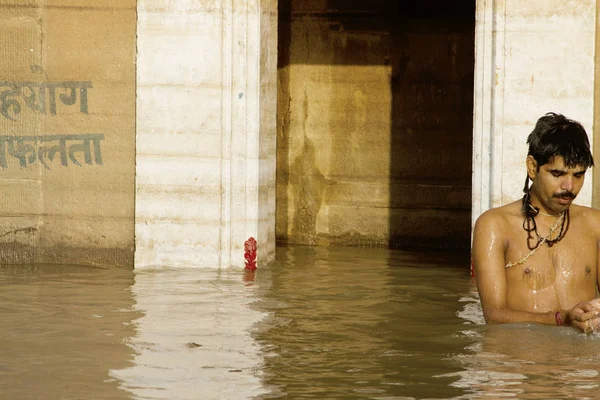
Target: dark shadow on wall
284,40
429,47
432,60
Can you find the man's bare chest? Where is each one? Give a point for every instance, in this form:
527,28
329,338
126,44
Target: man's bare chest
571,261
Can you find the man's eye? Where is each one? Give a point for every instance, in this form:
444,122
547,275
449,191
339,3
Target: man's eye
556,173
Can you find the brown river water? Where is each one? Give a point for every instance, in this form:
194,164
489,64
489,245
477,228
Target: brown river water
318,323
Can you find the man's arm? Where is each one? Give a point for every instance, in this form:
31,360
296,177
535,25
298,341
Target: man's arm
489,246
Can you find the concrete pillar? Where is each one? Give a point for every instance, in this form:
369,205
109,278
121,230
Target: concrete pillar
530,58
206,128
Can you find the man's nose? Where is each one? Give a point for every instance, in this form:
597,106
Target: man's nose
567,183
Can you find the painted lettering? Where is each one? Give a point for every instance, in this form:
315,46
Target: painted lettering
79,148
41,96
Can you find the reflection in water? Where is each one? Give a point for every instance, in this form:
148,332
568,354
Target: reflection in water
193,340
319,323
62,330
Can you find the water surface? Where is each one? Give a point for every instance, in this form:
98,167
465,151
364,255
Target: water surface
319,323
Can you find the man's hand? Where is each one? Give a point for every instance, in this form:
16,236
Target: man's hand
583,314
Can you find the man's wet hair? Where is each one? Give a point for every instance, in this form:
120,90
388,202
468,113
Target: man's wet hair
556,135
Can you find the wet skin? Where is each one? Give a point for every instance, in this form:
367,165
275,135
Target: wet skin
563,277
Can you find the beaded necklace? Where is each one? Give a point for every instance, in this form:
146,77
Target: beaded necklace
530,227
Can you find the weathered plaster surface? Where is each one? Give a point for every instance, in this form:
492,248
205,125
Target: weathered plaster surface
374,130
64,210
531,58
206,132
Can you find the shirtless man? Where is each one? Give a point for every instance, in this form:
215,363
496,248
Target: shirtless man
536,259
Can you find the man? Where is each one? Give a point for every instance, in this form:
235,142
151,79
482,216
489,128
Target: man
536,259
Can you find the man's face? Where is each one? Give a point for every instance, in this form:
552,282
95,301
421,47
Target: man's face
554,185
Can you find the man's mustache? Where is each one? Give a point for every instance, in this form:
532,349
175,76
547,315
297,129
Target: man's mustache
564,195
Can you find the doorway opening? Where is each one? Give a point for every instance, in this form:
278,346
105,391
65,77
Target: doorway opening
375,122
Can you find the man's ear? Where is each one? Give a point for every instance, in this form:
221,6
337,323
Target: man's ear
531,167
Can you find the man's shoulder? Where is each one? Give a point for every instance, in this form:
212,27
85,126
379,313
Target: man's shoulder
494,225
585,221
499,216
503,212
585,213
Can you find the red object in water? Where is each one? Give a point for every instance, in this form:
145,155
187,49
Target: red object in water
250,253
249,276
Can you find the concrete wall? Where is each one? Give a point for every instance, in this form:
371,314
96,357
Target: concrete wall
375,122
531,58
67,130
206,103
202,148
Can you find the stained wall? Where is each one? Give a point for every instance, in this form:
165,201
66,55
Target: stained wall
149,119
375,123
373,134
67,131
